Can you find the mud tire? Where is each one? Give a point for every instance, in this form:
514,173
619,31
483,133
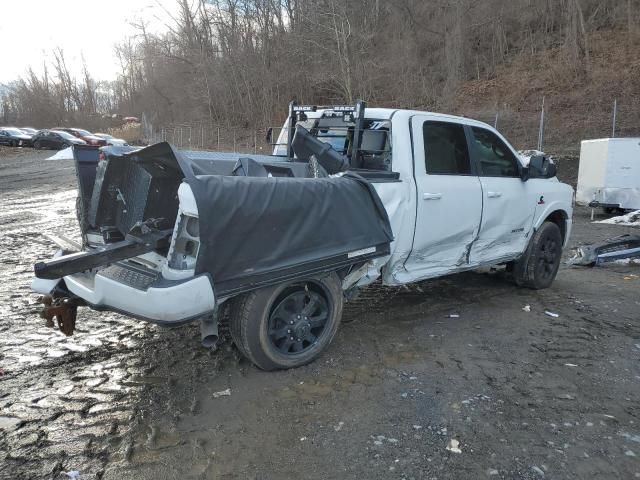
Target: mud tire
539,265
251,314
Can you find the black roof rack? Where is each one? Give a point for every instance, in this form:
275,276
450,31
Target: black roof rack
296,114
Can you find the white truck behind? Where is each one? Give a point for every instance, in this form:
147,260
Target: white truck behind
609,174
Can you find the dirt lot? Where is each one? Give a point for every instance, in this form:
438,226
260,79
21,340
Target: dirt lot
527,396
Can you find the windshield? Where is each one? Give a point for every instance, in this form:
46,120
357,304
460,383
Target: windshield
84,133
13,131
103,135
64,135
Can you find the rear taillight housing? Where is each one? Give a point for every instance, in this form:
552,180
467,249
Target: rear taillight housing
185,243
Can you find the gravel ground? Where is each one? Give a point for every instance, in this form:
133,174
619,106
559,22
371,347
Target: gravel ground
526,395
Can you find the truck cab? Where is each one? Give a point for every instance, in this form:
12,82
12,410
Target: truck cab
458,194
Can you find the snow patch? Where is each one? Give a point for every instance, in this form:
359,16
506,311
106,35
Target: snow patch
629,220
66,154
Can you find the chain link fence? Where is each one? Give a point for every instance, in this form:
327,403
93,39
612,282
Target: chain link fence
559,129
204,136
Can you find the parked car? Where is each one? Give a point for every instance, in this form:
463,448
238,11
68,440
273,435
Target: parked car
29,130
85,135
14,137
55,139
112,140
281,242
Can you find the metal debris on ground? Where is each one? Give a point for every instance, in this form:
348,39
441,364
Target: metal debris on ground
222,393
618,248
566,396
538,470
551,314
454,446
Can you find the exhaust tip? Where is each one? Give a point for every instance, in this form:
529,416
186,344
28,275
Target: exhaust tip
210,342
209,332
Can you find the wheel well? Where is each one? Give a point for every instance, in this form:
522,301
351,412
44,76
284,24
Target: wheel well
559,217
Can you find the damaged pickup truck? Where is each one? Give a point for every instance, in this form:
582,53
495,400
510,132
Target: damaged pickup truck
351,195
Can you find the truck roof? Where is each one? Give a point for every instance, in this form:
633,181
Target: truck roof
387,113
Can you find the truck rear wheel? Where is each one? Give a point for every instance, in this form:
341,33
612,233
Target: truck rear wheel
288,325
539,265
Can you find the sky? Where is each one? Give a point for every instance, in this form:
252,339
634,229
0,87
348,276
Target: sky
31,29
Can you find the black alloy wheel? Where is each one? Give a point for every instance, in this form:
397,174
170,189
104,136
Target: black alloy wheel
298,320
548,258
287,325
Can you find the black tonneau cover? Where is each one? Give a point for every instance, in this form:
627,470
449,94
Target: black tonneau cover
256,229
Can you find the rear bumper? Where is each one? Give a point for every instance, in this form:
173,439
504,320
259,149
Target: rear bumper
163,302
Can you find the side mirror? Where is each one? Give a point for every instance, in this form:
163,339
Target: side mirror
540,166
269,136
524,174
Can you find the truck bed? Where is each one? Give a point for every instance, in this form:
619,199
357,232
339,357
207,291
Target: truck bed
261,220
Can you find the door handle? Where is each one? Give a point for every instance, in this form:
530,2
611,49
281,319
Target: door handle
431,196
494,194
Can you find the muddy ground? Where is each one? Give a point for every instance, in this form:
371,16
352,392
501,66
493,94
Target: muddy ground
527,396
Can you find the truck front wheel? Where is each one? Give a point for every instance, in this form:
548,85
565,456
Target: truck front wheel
287,325
539,265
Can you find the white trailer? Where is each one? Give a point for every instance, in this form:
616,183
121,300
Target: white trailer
609,174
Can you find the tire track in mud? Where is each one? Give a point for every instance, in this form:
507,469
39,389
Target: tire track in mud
52,388
69,403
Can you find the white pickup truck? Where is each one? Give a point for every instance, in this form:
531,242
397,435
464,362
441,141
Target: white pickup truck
351,195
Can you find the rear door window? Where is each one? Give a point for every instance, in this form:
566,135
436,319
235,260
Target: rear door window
495,159
445,149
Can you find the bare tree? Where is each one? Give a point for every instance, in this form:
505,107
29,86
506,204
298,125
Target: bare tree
236,63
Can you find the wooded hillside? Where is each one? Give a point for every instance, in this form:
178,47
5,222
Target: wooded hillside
237,63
